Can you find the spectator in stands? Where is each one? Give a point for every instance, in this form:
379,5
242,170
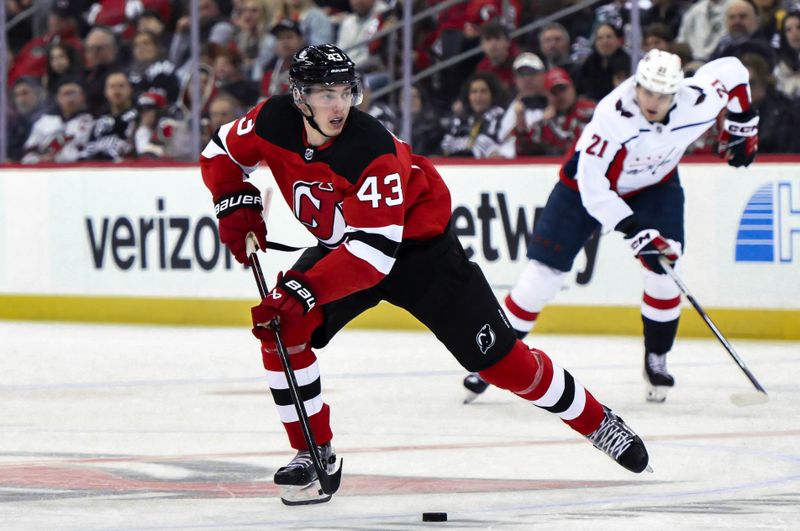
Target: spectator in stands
222,109
60,136
102,57
779,116
658,36
314,23
151,72
742,23
530,99
666,12
427,129
359,26
28,98
230,79
112,137
289,40
702,27
253,19
23,32
150,20
597,71
63,62
770,16
473,132
788,70
62,26
498,53
121,16
377,108
563,120
214,29
554,44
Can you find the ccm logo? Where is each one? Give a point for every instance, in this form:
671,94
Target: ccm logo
306,296
742,130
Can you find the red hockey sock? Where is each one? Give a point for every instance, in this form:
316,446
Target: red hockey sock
532,375
306,371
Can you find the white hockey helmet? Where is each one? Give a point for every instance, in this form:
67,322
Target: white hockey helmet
660,71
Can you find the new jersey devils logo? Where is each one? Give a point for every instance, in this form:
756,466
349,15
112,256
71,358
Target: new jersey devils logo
320,210
485,338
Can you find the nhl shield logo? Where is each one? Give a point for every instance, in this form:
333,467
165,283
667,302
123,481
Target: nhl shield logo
485,338
309,154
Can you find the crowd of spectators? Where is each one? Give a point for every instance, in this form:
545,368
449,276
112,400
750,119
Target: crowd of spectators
110,79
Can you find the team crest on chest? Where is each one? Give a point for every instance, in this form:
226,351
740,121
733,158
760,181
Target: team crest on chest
319,208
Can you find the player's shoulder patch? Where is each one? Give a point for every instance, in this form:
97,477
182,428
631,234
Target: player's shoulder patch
280,123
622,109
363,140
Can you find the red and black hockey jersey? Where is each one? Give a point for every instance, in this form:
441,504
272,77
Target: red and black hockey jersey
360,194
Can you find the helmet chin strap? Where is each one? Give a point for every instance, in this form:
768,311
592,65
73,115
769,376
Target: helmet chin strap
311,121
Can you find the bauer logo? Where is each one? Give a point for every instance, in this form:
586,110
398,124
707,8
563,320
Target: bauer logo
769,229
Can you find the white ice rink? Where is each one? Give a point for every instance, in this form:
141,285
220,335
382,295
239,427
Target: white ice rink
147,428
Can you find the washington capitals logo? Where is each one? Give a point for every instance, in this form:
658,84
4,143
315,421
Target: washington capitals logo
485,338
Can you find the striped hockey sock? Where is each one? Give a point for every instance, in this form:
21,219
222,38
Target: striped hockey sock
306,371
532,375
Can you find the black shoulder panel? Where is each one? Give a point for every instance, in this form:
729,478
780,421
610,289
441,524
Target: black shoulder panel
280,123
363,140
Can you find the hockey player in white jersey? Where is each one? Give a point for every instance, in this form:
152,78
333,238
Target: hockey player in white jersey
623,175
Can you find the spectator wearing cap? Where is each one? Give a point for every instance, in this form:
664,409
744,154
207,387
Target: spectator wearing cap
530,99
554,45
61,135
498,53
597,71
474,131
289,39
743,36
62,26
359,26
657,36
314,23
563,119
28,104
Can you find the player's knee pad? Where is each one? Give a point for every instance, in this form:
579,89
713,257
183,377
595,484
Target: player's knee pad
661,301
537,285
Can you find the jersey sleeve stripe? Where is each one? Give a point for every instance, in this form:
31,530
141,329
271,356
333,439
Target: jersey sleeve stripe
378,241
223,135
381,262
213,148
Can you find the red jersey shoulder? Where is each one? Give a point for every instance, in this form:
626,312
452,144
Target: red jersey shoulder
363,141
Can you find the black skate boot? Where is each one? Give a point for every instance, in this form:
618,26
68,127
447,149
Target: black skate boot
658,379
618,441
298,479
475,386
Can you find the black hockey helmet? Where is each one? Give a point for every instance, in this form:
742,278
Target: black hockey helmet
323,64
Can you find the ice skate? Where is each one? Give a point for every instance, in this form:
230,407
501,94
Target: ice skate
659,381
619,442
475,386
298,479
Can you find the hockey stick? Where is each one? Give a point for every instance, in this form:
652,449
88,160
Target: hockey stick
329,483
740,399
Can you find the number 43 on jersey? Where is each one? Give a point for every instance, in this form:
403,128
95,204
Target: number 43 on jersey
373,191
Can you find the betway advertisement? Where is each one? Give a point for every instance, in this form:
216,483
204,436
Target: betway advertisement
125,231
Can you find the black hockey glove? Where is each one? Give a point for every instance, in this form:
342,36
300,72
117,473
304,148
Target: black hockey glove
738,141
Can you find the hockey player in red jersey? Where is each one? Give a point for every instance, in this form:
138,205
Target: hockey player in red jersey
623,175
381,216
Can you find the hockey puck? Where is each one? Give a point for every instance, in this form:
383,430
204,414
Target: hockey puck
434,517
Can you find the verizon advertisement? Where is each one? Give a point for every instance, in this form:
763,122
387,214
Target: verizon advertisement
152,232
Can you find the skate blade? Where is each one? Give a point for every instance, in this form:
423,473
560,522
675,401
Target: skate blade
657,394
649,469
303,494
470,398
752,398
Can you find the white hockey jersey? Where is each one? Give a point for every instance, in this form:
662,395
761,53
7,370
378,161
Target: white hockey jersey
620,152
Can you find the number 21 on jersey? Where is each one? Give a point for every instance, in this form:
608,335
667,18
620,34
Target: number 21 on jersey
371,191
593,147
